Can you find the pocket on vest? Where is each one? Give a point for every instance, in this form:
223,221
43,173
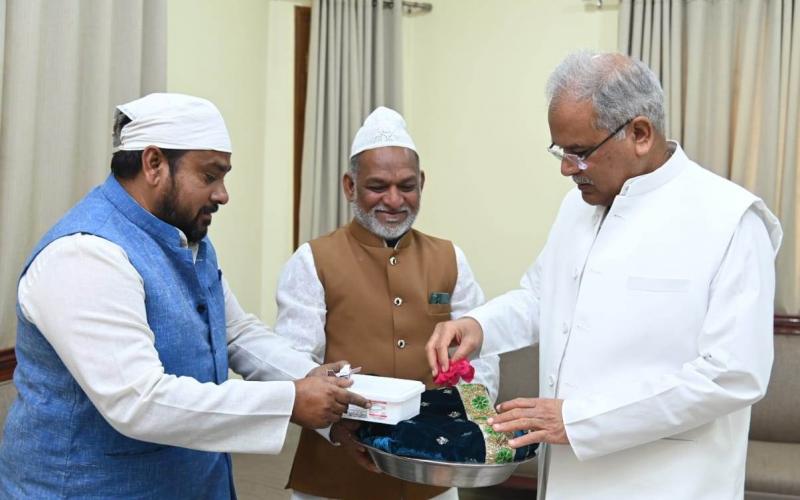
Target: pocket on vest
137,451
442,310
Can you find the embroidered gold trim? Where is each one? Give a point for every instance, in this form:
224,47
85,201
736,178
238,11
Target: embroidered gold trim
479,408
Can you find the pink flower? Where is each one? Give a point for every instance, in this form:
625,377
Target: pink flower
458,370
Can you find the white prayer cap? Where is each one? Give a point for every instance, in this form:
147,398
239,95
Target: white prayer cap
172,121
383,127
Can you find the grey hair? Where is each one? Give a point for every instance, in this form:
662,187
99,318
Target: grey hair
120,120
619,87
353,169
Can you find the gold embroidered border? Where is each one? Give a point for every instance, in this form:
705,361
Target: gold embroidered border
479,408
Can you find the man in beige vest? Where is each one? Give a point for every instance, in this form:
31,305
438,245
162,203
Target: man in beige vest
371,292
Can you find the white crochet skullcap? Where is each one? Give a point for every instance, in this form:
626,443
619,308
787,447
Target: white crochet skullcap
383,127
171,121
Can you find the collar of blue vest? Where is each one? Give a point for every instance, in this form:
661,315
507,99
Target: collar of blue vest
134,212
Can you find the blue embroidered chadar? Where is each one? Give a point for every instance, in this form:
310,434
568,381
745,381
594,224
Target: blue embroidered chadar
450,427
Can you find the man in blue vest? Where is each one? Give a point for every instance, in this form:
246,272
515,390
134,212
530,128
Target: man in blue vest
127,328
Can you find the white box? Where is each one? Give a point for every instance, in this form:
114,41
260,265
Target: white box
393,399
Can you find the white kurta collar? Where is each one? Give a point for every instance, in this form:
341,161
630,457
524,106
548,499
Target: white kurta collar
194,247
648,182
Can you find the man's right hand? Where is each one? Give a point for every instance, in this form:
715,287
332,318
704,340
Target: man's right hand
464,332
320,401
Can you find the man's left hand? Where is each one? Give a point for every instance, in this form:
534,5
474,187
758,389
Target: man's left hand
541,417
343,433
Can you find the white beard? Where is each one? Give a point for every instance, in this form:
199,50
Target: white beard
388,232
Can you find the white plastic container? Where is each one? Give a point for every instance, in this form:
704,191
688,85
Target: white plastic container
393,399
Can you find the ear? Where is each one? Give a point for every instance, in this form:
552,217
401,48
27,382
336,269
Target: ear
349,186
643,134
155,167
421,179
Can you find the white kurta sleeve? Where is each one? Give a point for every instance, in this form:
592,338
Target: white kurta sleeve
89,303
302,310
511,321
730,372
301,305
256,352
467,295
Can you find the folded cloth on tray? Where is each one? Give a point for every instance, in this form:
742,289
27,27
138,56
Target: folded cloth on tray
451,427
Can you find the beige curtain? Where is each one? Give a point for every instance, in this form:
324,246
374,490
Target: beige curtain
354,66
731,76
65,65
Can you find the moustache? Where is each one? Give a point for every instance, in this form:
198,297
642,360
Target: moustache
210,209
579,179
402,210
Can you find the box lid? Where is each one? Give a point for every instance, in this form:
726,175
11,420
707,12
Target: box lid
388,389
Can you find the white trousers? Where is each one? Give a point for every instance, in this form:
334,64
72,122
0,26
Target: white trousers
451,494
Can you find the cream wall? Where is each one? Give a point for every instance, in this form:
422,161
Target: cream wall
474,77
240,56
278,161
475,73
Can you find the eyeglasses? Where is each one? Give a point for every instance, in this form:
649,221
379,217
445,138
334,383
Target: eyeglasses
580,160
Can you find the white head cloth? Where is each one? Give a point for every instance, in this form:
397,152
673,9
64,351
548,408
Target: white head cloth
383,127
172,121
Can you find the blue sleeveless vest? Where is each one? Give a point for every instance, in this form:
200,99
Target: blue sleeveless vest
56,444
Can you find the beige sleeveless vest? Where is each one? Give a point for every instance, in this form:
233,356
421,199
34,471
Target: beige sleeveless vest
379,318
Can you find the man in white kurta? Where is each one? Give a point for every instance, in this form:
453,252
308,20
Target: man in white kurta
652,303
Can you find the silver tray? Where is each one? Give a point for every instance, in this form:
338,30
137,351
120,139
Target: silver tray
451,474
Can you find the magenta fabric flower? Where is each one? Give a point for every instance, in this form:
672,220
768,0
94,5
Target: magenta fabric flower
461,369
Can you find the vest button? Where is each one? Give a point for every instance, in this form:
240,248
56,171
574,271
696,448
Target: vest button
201,308
398,301
401,344
393,260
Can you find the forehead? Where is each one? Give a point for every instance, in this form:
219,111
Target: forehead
391,161
571,122
201,159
